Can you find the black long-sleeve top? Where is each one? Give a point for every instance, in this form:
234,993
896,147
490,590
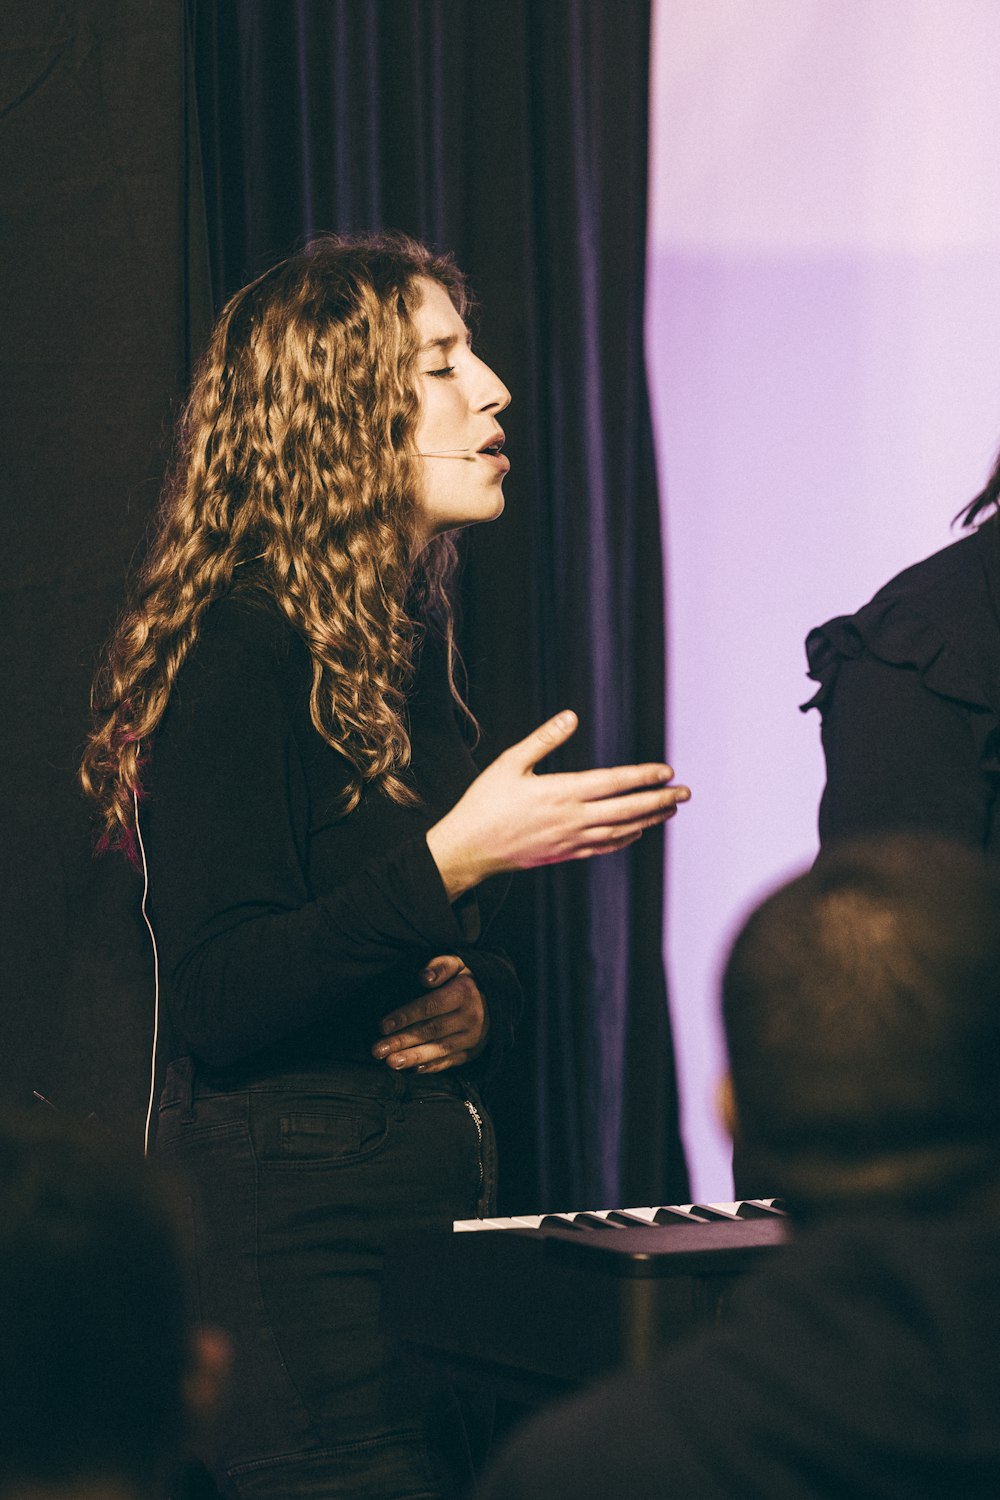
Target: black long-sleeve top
286,930
910,699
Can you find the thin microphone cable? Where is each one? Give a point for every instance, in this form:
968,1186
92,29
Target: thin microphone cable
156,973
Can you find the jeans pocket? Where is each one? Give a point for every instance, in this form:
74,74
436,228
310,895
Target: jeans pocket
178,1137
330,1131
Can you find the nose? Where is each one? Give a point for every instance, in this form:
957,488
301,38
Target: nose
491,393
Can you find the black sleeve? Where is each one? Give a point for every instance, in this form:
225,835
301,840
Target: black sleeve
899,756
250,953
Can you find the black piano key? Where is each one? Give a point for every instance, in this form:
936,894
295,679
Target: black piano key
714,1215
626,1220
669,1215
594,1221
753,1208
556,1221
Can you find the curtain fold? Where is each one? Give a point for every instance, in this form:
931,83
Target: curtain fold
104,295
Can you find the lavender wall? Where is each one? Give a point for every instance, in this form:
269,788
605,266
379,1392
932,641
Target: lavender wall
823,320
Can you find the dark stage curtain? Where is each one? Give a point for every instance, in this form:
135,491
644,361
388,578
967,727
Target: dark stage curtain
103,293
514,135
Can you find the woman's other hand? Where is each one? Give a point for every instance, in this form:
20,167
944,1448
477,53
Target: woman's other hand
444,1028
511,819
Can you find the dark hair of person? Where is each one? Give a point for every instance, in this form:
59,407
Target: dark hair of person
984,506
93,1315
861,1005
295,465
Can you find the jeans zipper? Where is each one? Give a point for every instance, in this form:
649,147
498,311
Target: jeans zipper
477,1117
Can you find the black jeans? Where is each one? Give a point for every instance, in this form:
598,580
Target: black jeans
296,1183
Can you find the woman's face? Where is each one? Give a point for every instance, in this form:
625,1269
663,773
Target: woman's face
457,433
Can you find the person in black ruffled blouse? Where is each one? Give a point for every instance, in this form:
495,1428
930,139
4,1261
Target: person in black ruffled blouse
909,693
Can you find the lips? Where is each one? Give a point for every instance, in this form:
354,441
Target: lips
493,445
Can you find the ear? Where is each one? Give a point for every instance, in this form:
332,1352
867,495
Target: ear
725,1104
207,1378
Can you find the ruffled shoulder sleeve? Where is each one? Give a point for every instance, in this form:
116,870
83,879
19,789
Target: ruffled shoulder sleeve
909,693
895,632
937,619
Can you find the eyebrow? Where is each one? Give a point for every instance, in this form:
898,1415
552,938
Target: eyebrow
446,342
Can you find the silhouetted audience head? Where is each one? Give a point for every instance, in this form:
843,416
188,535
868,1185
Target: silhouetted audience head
861,1004
97,1368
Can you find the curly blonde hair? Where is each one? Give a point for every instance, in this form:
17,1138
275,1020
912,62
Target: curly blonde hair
295,454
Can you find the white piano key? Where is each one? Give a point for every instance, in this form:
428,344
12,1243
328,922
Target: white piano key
524,1221
531,1221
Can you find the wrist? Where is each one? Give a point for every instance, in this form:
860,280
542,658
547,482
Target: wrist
460,865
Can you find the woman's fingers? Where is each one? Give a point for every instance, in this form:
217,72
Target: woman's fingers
612,823
610,846
646,807
417,1050
616,781
433,1038
610,830
527,753
443,1028
435,974
438,971
608,781
452,1060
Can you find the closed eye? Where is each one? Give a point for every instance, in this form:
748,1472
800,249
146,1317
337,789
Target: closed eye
441,374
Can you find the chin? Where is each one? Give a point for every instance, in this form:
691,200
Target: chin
490,510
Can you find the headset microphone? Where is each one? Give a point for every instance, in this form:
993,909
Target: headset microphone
468,454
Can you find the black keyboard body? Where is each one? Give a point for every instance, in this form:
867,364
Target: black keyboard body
535,1311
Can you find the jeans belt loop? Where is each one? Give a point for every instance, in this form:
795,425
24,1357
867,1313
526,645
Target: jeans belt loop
400,1091
184,1074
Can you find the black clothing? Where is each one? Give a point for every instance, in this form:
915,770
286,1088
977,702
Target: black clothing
295,1183
910,698
863,1363
286,931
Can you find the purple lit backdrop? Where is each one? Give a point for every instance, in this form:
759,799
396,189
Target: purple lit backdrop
822,325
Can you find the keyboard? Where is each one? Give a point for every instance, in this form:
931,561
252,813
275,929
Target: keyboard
541,1304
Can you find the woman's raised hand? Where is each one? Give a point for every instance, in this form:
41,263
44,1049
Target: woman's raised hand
511,819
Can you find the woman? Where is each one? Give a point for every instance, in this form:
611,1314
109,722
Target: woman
910,697
323,861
